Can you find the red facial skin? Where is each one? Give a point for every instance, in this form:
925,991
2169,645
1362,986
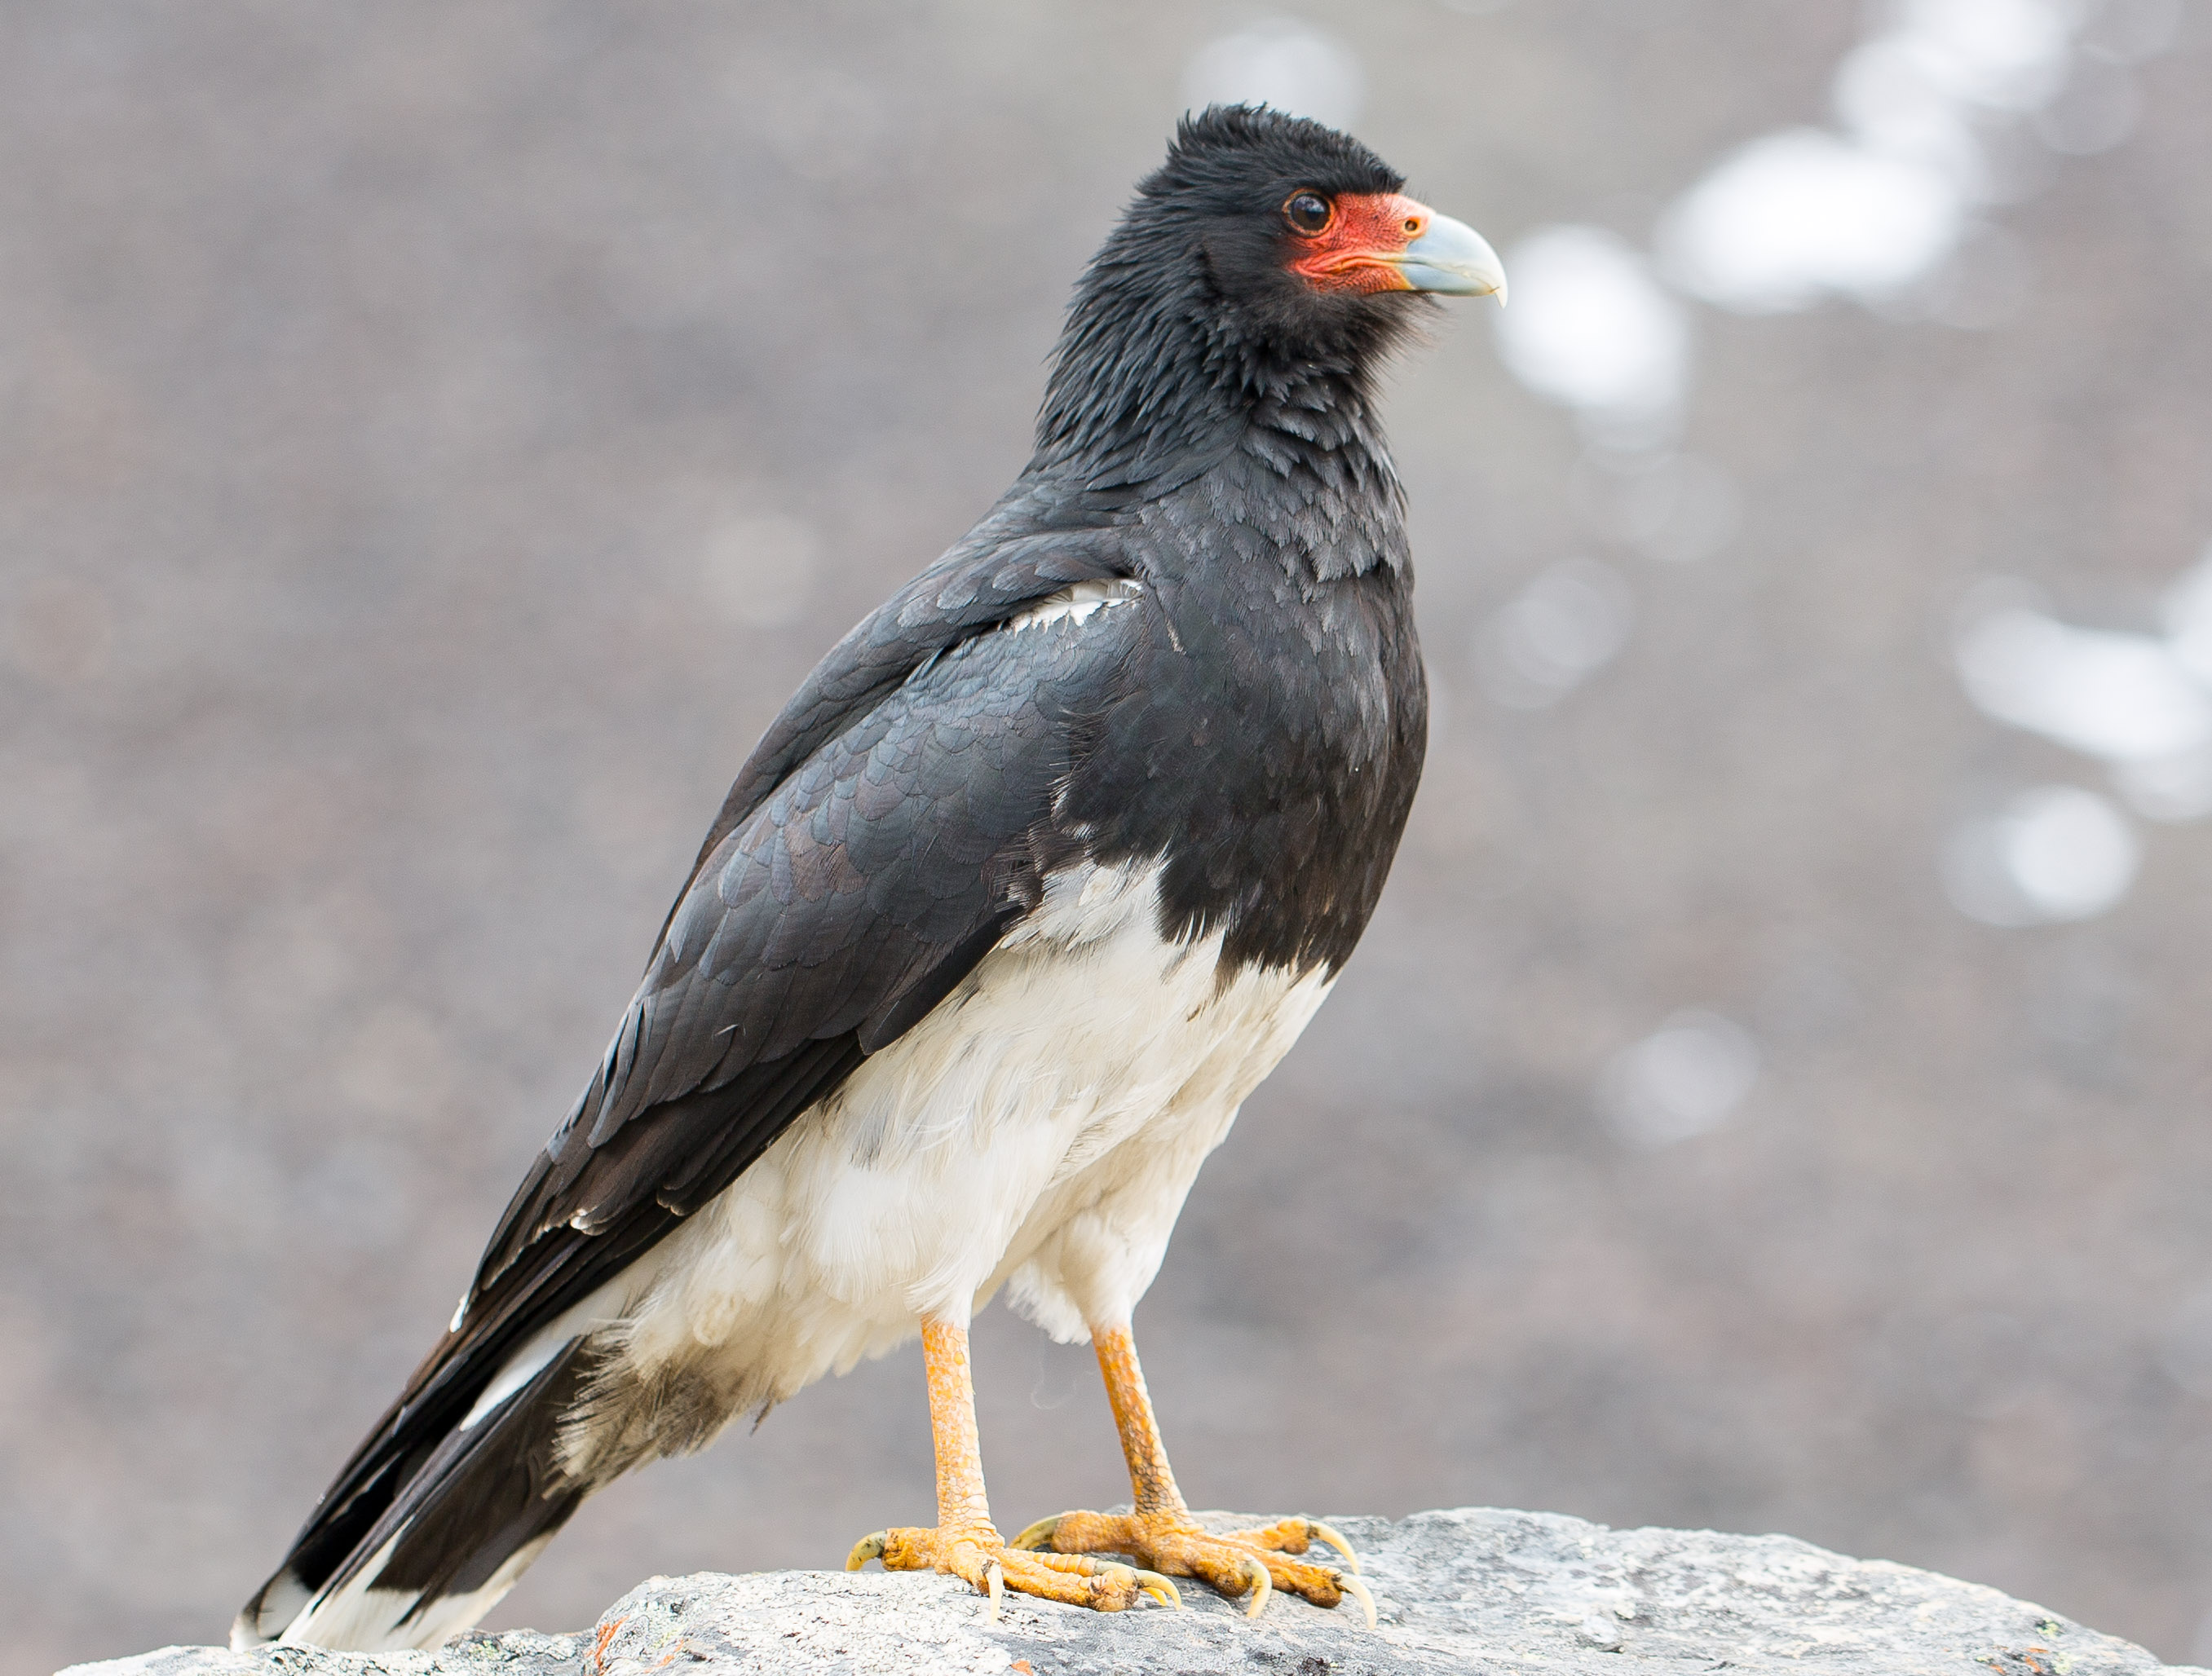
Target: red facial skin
1353,252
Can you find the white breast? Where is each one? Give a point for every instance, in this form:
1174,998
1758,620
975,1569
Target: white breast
1042,1124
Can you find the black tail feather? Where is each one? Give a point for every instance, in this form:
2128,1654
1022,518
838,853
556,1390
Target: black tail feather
452,1517
463,1502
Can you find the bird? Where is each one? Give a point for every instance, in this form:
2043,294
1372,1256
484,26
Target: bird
1037,876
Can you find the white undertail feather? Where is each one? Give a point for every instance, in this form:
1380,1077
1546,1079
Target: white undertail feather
266,1617
363,1618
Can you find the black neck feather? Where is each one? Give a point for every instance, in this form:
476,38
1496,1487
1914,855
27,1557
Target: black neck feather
1157,376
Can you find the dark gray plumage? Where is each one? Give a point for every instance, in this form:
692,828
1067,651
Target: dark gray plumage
1237,706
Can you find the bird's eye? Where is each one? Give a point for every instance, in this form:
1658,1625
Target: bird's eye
1308,212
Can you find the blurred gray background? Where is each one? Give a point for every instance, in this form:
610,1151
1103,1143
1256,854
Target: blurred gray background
433,437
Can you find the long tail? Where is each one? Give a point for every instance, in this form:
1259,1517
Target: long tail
430,1546
469,1474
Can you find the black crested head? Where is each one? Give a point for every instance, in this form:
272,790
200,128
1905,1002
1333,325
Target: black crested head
1266,253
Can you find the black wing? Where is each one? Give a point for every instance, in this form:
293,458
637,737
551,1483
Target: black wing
888,829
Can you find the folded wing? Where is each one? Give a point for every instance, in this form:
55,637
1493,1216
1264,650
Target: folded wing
894,821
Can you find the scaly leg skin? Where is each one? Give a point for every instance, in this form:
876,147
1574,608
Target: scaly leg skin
1162,1535
963,1541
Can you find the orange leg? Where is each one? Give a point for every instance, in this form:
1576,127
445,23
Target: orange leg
963,1542
1161,1535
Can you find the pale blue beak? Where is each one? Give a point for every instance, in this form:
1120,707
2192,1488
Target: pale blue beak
1453,260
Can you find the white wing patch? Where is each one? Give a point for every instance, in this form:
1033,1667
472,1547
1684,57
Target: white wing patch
1078,602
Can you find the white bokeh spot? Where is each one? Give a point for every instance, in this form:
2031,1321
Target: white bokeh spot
2125,698
2054,853
1803,214
1591,329
1686,1078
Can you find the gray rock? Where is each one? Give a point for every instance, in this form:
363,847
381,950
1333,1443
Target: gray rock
1473,1589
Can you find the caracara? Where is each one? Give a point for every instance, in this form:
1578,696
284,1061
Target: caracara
1041,871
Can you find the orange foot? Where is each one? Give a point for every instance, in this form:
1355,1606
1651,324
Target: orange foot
990,1566
1235,1562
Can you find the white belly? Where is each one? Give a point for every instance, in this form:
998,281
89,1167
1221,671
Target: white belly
1041,1126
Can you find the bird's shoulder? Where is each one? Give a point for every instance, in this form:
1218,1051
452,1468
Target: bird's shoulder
1005,566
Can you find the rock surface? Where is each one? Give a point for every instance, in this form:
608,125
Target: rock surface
1469,1590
